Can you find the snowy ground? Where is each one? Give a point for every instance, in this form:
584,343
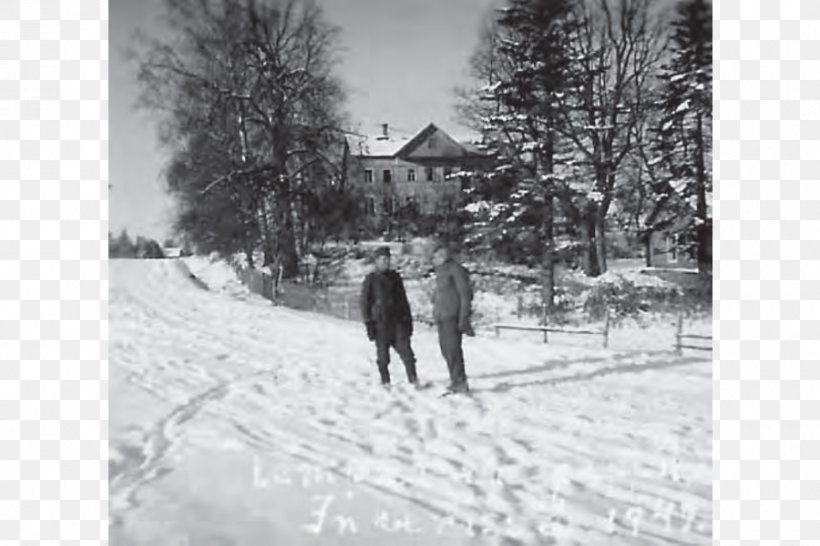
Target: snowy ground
234,422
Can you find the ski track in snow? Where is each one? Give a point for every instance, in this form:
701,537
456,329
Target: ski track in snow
578,444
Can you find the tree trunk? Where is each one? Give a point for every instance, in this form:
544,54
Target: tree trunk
267,235
589,259
249,253
548,260
600,241
288,253
704,235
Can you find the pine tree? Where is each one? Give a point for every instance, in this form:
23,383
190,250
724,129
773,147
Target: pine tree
683,149
523,62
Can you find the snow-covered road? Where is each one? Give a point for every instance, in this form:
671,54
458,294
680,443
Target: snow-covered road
234,422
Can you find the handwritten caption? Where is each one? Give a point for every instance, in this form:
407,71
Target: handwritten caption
328,511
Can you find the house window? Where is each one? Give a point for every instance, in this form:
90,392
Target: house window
465,183
672,248
369,205
387,176
447,172
431,142
368,176
429,172
387,205
411,175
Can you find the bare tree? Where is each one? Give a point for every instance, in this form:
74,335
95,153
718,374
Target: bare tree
247,87
616,49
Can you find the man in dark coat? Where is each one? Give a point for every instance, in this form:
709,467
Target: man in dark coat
386,314
452,310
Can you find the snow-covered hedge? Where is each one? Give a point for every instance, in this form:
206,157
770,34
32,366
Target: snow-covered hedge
629,295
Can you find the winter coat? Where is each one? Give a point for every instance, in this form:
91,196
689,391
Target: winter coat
383,299
453,295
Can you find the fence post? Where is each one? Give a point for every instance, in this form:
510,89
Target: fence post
520,307
347,309
606,330
679,335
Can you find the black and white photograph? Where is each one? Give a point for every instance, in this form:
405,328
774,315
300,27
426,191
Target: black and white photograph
410,272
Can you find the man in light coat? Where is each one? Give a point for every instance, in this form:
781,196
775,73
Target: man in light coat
452,310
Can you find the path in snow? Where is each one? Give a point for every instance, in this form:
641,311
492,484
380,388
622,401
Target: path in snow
558,445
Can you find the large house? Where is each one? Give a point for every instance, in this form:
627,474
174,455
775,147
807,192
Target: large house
428,170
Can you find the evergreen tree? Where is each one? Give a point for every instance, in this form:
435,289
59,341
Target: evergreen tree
683,148
121,246
523,63
561,100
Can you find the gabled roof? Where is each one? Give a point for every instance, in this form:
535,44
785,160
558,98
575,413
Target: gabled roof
416,141
427,132
399,144
384,146
378,145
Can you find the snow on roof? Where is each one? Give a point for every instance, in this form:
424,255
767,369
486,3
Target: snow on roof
380,146
377,145
472,148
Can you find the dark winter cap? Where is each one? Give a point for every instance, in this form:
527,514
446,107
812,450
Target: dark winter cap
448,249
383,251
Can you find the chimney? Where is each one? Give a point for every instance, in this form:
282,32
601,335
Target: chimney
385,132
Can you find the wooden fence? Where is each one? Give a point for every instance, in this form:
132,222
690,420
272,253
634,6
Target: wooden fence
301,296
546,329
680,337
317,299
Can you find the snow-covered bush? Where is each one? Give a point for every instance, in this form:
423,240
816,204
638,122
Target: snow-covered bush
629,296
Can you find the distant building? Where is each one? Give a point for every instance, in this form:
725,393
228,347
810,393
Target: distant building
670,242
428,171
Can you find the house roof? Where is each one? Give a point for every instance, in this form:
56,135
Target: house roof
384,146
399,143
662,215
378,145
420,137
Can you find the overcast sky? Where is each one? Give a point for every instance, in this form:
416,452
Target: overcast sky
401,61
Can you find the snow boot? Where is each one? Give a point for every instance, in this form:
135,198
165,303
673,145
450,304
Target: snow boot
458,388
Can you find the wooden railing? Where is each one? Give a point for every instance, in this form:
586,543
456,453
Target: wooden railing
546,329
680,337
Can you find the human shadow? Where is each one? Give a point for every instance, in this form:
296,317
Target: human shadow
558,364
548,365
602,372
